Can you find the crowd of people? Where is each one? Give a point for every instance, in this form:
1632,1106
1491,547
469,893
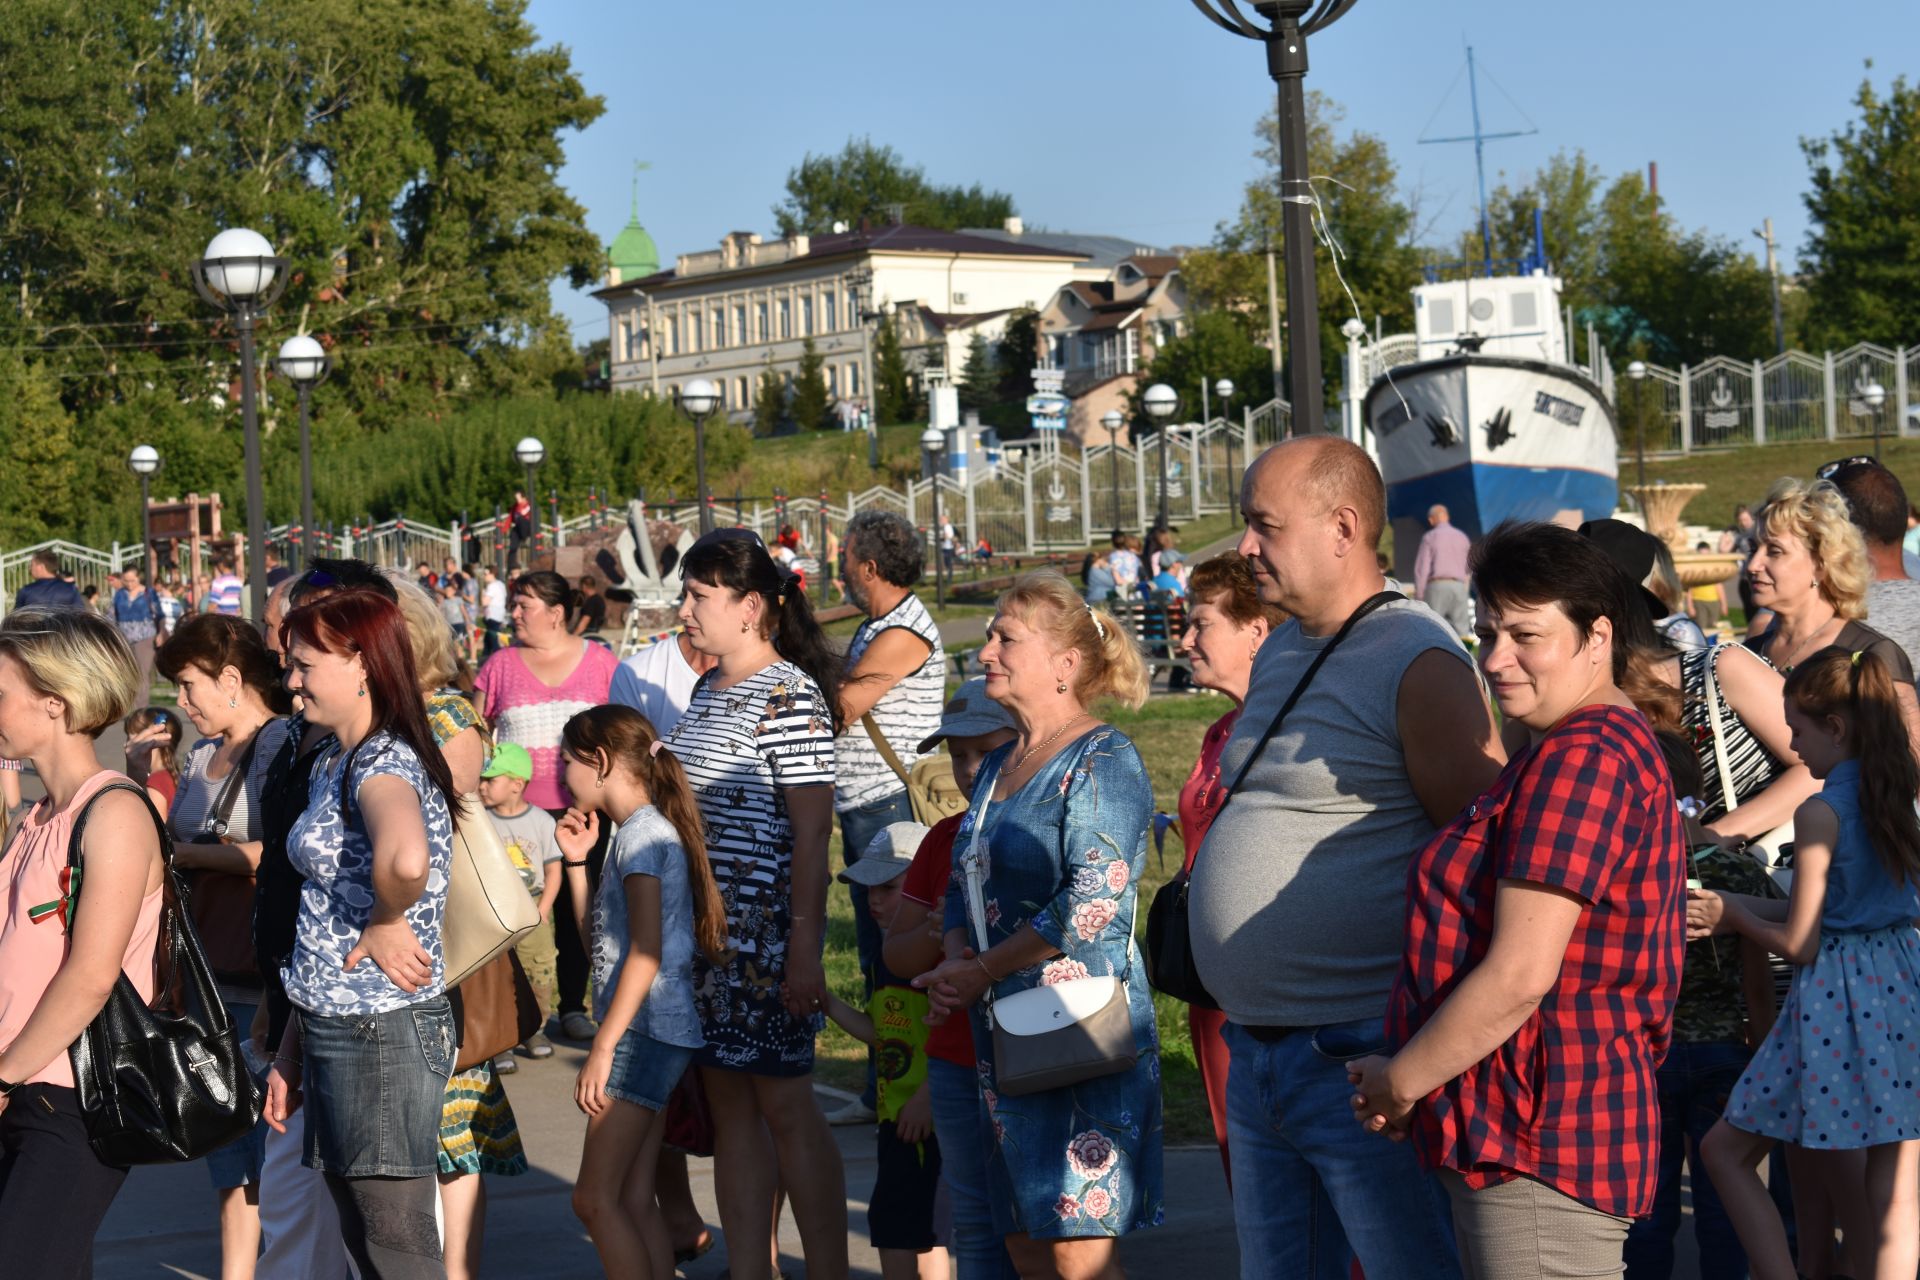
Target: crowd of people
1493,943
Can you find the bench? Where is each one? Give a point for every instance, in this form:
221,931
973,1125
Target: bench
1156,624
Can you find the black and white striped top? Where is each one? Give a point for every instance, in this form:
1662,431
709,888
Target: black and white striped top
740,746
1753,767
906,716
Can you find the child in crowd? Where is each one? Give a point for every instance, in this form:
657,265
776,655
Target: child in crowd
453,607
1837,1071
656,901
528,834
1709,601
907,1215
153,745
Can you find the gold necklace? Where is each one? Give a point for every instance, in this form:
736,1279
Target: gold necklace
1028,753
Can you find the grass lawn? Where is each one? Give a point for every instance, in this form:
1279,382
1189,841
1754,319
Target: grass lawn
1167,731
1744,475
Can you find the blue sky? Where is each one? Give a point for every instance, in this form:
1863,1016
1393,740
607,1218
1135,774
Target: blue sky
1134,117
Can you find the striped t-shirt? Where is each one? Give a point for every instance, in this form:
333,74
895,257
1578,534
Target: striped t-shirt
906,715
739,747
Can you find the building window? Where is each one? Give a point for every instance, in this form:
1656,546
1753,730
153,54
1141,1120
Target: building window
673,335
833,380
806,316
1057,350
827,324
854,318
786,318
1133,350
760,320
719,328
853,379
740,393
740,322
693,330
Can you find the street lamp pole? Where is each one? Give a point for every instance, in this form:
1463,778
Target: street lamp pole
239,274
934,441
1224,389
699,398
1290,22
1112,420
1637,371
1161,401
305,363
143,462
531,453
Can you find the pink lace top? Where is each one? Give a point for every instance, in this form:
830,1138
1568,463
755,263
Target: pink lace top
526,710
33,941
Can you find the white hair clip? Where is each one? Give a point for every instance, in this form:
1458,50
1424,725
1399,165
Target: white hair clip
1098,626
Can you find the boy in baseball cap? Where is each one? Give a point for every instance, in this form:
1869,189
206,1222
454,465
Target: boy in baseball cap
527,833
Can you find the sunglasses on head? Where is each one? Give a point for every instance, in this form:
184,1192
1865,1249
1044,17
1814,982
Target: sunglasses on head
1831,469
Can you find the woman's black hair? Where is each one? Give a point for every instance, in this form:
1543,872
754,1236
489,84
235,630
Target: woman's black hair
741,565
1531,563
548,587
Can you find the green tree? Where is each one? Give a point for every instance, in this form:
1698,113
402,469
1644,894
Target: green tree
769,402
979,380
1216,345
1568,192
1861,254
892,398
812,405
36,442
864,178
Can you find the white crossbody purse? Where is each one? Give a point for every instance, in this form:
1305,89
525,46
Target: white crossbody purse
1053,1036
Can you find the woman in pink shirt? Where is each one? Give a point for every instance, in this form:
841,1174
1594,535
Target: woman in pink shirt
64,677
528,691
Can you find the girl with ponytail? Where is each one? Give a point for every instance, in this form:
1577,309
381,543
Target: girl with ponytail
657,902
1836,1072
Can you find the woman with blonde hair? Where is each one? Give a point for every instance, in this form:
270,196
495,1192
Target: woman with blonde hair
1062,814
64,677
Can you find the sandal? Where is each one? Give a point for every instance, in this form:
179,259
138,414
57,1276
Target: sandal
702,1243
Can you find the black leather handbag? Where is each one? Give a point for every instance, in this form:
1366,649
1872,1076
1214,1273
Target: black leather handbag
1170,966
161,1082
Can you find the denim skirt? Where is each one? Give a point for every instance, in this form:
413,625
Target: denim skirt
646,1070
374,1085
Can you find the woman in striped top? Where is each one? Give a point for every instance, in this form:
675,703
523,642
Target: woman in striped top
756,743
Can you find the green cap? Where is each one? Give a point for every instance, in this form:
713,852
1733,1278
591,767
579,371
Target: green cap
510,760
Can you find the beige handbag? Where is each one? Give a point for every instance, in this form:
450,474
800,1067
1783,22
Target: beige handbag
1771,849
1053,1036
931,787
488,906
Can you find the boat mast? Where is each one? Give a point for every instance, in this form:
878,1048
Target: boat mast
1479,138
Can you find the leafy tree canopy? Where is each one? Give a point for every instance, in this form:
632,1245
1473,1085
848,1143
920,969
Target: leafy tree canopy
1216,345
1863,249
864,178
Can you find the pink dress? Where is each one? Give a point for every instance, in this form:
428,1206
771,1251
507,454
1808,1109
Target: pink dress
33,943
526,710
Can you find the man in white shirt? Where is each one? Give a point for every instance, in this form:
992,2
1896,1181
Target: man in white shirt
658,681
493,604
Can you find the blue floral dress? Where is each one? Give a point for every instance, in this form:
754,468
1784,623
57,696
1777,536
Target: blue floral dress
1064,854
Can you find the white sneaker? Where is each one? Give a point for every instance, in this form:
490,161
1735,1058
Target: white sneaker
855,1112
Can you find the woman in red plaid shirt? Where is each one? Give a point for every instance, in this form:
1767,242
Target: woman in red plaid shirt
1544,938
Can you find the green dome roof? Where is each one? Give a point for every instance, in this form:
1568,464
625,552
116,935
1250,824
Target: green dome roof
633,253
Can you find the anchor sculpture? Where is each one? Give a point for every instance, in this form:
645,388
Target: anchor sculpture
1723,416
1059,512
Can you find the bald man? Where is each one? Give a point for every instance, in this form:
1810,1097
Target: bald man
1298,897
1440,571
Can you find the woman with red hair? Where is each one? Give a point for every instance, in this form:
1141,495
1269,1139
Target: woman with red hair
372,1040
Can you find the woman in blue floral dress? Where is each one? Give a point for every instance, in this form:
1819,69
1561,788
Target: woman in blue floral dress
1063,844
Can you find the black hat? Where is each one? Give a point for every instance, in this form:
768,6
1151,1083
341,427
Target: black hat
1633,551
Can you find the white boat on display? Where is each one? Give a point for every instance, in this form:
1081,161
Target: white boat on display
1491,419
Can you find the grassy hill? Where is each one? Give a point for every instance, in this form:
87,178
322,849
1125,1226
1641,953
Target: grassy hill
1734,476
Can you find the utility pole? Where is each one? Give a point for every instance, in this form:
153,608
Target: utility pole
1765,235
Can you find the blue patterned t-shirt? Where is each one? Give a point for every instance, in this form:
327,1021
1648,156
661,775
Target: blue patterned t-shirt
647,845
337,899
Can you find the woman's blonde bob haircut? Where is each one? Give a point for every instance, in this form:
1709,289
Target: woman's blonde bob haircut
433,656
1818,516
79,658
1110,665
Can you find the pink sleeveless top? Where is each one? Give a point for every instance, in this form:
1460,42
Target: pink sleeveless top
33,927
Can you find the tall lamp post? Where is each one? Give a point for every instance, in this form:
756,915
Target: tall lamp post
1290,22
143,462
1638,372
934,441
1161,400
1224,389
531,454
239,274
1873,395
1113,420
304,363
700,398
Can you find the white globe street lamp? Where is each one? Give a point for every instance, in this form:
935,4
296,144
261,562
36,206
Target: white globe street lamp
1113,420
1161,400
698,399
144,461
305,363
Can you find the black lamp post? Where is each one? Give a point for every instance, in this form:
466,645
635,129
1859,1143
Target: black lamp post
1113,420
1224,390
700,398
239,274
934,441
1637,371
1289,23
1160,402
143,462
305,363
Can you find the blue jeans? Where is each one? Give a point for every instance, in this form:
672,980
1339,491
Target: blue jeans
1311,1188
238,1163
858,827
375,1085
1694,1083
960,1126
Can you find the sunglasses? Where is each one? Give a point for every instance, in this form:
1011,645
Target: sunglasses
1831,469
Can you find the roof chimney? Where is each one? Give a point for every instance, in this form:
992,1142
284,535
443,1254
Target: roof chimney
1015,226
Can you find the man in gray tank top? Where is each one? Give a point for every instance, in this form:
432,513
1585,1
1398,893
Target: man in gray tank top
1298,899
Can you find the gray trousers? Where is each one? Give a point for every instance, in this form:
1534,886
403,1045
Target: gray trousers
1449,599
1525,1230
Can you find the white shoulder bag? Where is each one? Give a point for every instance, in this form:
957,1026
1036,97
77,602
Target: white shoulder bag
1053,1036
1767,849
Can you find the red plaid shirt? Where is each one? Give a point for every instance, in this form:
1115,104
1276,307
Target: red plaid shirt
1570,1098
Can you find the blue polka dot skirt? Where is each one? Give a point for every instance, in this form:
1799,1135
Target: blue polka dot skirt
1841,1068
